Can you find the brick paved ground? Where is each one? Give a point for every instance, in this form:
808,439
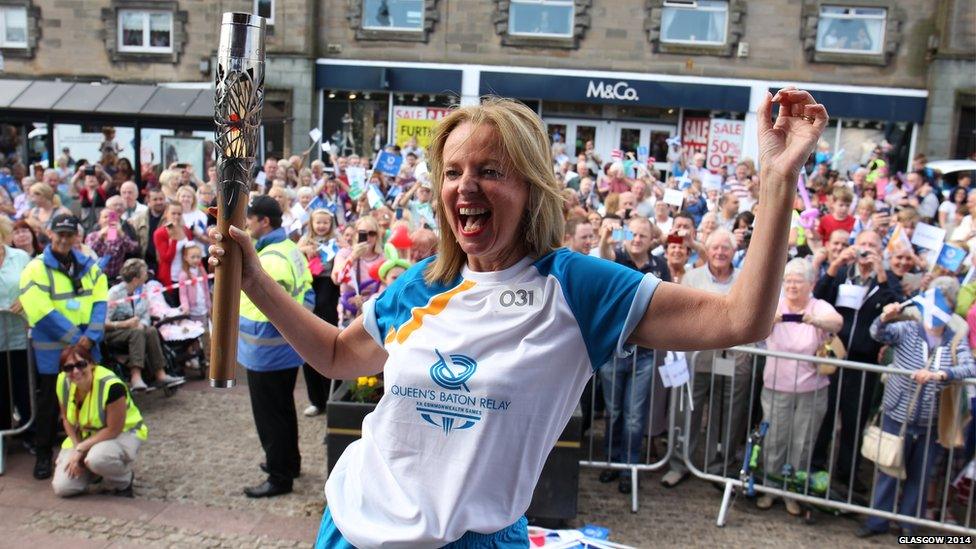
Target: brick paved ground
203,450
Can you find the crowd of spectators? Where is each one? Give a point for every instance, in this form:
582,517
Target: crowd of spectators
851,245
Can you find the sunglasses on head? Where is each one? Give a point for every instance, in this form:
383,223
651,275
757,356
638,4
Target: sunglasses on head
80,366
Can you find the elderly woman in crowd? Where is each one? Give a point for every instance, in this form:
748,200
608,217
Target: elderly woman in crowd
128,327
24,238
794,395
110,243
104,427
13,329
926,345
508,326
676,254
46,207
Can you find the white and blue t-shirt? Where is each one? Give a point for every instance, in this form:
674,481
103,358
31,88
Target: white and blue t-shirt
483,375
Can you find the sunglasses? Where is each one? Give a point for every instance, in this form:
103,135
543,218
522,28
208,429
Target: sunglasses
368,233
80,366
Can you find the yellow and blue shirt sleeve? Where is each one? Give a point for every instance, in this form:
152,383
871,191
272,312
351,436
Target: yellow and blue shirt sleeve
95,331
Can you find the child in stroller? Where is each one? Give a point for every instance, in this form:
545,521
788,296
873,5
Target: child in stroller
180,334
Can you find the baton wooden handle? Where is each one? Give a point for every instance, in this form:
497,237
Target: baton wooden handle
227,295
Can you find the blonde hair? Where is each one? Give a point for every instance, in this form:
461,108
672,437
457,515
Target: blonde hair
372,225
310,236
526,148
6,230
47,192
188,190
168,177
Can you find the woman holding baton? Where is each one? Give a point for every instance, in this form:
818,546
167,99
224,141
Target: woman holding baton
490,343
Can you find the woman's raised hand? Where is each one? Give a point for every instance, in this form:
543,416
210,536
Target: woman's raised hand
786,143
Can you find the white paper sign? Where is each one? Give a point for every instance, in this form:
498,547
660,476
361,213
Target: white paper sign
723,366
928,236
674,373
374,196
851,296
315,134
327,147
724,142
420,169
674,197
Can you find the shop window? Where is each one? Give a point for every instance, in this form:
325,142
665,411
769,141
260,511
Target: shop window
695,22
851,30
868,33
696,27
542,23
13,27
144,31
541,18
392,20
265,9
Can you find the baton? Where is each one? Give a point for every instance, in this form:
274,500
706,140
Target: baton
238,99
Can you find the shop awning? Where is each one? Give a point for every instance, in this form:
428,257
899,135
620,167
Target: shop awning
112,104
871,106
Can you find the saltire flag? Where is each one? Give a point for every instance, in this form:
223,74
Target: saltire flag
328,251
934,308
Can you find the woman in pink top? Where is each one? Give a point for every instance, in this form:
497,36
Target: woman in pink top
794,396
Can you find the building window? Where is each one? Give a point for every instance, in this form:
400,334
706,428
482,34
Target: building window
145,31
851,30
392,20
395,15
700,22
541,18
13,27
265,9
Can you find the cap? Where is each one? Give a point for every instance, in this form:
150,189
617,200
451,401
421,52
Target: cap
264,206
65,223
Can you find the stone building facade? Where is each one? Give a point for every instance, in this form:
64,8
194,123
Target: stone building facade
904,70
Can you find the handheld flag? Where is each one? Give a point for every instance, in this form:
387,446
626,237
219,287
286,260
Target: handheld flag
934,308
951,257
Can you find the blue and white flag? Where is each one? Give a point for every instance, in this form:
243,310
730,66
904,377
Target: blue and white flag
934,308
388,163
951,257
328,250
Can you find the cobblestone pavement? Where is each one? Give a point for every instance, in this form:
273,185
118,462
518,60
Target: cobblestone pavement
203,450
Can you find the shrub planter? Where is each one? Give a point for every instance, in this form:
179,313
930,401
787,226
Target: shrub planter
558,487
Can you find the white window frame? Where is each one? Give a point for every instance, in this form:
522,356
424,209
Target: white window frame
693,6
145,32
3,28
419,28
564,3
269,21
824,17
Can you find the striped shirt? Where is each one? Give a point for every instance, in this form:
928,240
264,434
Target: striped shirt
908,340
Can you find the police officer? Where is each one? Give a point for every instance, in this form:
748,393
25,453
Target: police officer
271,364
63,293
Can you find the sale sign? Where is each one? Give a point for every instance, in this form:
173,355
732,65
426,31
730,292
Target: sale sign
724,143
694,136
419,122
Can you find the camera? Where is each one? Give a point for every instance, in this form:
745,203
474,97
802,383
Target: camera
862,254
362,237
89,170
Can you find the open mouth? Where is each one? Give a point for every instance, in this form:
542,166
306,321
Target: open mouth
473,220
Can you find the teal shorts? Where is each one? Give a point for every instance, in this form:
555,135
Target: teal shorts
515,536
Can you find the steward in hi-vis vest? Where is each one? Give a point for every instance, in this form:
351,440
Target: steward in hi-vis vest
271,363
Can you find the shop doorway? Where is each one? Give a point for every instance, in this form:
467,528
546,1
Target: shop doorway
573,132
637,138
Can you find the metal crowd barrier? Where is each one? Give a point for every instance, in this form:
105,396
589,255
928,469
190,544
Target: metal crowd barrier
728,393
659,404
10,324
735,475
